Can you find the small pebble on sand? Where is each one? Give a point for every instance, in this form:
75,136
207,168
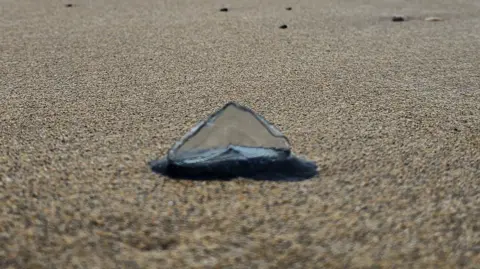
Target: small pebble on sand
433,19
283,26
68,5
288,8
398,18
224,9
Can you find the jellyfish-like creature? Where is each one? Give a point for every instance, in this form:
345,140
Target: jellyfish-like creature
234,142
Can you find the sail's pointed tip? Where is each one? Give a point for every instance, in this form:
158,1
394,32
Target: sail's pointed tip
235,105
232,103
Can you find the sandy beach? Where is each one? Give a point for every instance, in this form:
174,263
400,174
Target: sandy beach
91,91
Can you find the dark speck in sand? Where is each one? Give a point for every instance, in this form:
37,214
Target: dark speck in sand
283,26
68,5
288,8
456,129
224,9
398,18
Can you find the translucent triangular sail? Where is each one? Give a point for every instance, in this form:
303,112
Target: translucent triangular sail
232,131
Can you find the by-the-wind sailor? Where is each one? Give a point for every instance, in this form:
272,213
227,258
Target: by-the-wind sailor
234,142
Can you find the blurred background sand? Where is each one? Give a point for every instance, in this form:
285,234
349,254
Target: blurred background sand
390,112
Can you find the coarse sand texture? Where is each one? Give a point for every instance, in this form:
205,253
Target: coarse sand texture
388,112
